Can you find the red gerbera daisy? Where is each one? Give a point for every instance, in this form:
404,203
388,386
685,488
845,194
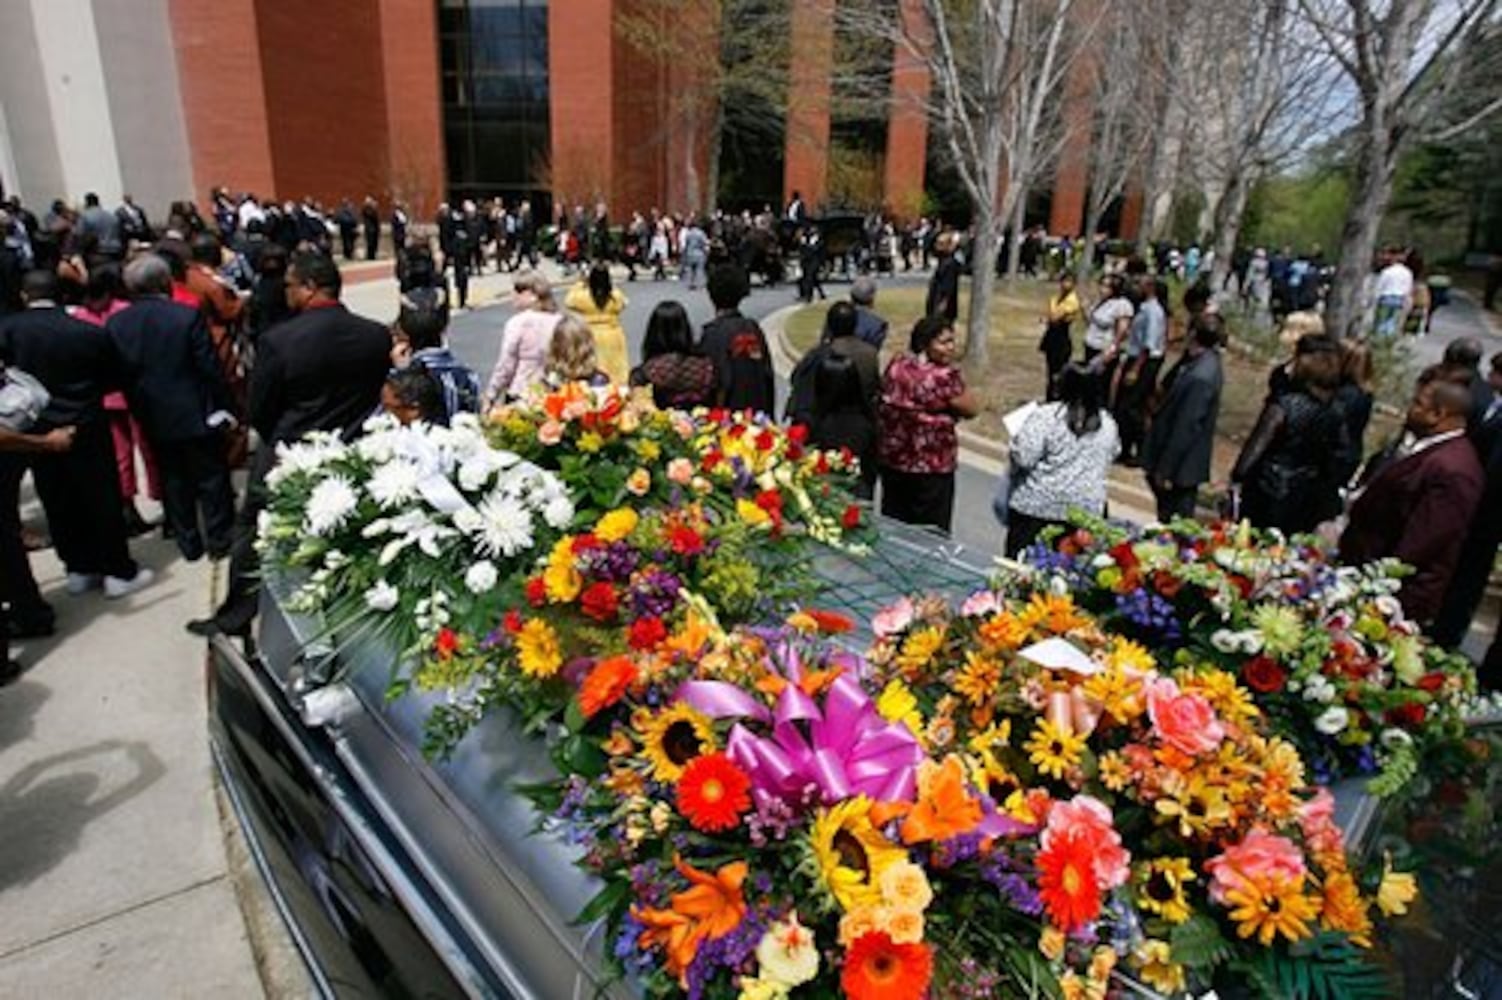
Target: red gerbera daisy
713,793
878,969
1067,883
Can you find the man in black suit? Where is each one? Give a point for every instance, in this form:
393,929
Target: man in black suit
321,370
1479,553
176,388
1176,457
370,221
13,444
79,489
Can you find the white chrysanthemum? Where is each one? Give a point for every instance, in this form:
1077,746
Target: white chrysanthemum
393,484
558,512
1319,688
481,577
382,597
330,505
1332,720
506,528
1392,739
475,471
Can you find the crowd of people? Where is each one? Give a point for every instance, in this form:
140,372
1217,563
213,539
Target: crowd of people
160,350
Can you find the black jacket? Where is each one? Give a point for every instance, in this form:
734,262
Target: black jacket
320,370
74,360
172,377
1182,437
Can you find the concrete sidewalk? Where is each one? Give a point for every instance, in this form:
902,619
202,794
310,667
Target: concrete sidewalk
114,879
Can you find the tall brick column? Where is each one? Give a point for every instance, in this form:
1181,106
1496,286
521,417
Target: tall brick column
224,96
1066,216
414,111
806,164
1131,211
907,123
581,86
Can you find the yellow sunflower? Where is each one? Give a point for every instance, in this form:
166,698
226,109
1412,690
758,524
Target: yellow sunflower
1119,695
918,648
673,737
1160,888
850,854
1268,907
1053,750
1344,910
1195,806
537,650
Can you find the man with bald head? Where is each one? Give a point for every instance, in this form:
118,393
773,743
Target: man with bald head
1418,505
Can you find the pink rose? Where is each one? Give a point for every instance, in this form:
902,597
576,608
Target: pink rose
893,618
1185,722
680,471
1086,817
550,433
1260,855
1317,821
982,602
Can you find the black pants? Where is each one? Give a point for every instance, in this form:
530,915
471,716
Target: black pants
1023,530
1057,348
372,243
1176,502
80,490
918,497
461,281
1467,586
1131,406
241,597
195,480
18,588
347,243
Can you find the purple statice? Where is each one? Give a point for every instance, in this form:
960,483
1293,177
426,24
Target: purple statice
627,950
743,480
654,593
613,563
948,853
975,981
733,952
1007,875
649,884
771,821
1150,613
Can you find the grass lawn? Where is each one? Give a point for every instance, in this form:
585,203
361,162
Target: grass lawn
1016,371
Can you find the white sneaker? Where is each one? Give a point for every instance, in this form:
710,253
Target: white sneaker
82,583
115,587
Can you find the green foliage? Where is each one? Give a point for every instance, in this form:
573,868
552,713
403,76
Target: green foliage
1326,967
1299,210
1197,943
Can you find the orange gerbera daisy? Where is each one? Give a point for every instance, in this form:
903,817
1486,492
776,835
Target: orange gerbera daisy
713,792
605,684
945,807
1067,883
878,969
709,909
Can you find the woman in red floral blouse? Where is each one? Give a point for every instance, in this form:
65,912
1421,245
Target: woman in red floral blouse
923,396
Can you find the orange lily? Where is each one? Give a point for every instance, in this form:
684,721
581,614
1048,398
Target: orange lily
711,908
945,808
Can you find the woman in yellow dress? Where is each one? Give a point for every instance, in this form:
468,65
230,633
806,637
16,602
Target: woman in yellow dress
600,305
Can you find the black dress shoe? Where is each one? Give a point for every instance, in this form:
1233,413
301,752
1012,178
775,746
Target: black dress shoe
10,671
206,628
40,628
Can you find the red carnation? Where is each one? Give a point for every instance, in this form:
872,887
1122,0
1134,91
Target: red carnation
798,433
685,541
821,465
599,601
765,441
585,543
851,519
1263,674
1168,585
1124,556
1432,681
446,644
769,501
711,459
537,592
512,622
1406,716
647,633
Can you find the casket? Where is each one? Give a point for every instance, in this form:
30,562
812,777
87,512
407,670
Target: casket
401,876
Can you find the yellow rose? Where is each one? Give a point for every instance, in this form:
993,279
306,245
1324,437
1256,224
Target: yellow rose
905,886
762,989
616,525
1051,944
560,578
857,923
649,451
639,482
902,925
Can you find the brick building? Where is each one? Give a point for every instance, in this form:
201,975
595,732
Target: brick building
428,99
